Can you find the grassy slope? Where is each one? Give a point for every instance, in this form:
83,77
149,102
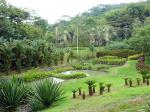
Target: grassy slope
117,100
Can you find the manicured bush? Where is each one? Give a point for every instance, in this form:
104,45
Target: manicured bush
109,61
76,75
47,92
82,66
120,53
135,57
32,75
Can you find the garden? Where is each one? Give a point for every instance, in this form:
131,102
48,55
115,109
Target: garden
97,61
79,83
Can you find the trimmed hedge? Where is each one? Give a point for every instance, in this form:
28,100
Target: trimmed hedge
120,53
76,75
135,57
33,75
110,60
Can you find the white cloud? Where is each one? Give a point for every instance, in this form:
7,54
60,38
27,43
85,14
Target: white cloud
52,10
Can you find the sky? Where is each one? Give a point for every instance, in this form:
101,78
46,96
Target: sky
52,10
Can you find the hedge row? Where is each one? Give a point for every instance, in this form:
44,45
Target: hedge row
111,61
119,53
33,75
135,57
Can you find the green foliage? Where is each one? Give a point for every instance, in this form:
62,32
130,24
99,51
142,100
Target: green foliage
13,93
32,75
110,60
47,92
135,57
18,54
76,75
90,82
120,53
117,45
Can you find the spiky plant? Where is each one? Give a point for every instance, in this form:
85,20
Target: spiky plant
108,87
74,93
47,92
13,93
90,83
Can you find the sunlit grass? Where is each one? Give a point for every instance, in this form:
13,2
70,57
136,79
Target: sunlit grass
119,92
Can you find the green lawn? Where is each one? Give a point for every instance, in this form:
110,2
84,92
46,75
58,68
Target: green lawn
121,98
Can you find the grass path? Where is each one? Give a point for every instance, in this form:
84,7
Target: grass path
118,96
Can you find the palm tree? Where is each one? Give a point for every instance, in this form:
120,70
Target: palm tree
90,83
102,87
74,93
144,73
6,56
108,87
18,51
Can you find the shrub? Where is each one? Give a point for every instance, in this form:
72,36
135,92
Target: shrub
120,53
34,75
110,61
71,76
47,92
13,93
37,74
117,45
81,66
135,57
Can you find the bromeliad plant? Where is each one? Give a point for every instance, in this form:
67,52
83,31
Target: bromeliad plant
13,93
90,83
47,92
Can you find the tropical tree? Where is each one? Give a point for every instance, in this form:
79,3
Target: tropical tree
6,56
